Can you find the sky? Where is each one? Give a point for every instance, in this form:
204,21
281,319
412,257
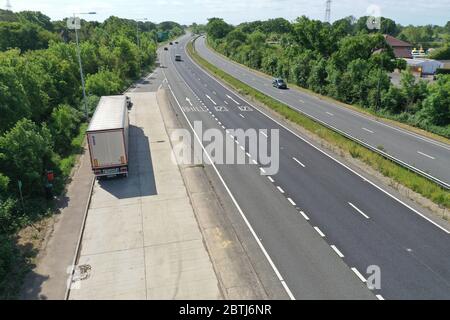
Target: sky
416,12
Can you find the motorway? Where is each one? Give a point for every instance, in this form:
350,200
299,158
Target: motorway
425,155
320,224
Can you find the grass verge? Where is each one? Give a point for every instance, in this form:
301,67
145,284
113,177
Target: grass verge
438,133
401,175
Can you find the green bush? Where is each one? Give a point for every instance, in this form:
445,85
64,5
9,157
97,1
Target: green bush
388,168
343,60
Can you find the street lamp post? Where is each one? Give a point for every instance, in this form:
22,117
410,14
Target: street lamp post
76,27
138,42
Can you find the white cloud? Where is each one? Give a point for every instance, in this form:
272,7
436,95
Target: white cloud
235,11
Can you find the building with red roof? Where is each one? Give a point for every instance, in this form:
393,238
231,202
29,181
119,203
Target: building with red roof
402,49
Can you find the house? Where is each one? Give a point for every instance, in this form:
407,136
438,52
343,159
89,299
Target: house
401,48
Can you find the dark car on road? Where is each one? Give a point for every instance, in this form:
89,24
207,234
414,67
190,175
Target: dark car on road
165,48
279,83
170,43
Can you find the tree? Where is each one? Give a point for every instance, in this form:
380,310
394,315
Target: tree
436,107
25,153
278,25
103,83
236,35
317,79
394,100
8,15
14,103
442,53
217,28
37,18
413,91
313,35
64,122
127,54
23,35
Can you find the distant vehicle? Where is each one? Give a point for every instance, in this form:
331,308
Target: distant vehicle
165,48
178,57
176,42
279,83
107,137
170,43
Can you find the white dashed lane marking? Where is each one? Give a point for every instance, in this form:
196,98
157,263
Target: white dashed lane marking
319,232
211,100
304,215
357,209
296,160
359,275
339,253
233,100
426,155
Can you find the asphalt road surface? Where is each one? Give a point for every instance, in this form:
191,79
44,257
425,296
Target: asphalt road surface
316,213
423,154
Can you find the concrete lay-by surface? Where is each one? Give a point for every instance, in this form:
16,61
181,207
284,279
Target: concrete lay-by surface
141,239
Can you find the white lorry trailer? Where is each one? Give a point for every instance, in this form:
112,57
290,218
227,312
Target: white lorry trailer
107,137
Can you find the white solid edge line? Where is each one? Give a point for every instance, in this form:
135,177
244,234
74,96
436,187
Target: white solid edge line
434,142
292,202
339,253
304,215
358,274
329,156
357,209
263,249
319,232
